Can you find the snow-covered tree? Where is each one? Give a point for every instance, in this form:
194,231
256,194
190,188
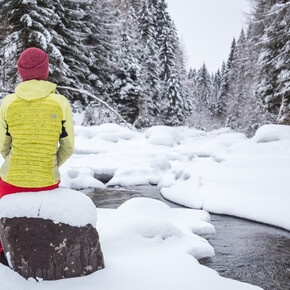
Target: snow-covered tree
215,104
25,24
223,95
150,105
101,44
57,27
126,82
274,77
176,105
203,87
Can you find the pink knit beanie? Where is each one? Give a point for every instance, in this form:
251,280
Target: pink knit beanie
33,64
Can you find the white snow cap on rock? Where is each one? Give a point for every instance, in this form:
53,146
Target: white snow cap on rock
60,205
272,132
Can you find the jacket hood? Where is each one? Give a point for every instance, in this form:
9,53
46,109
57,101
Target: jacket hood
34,89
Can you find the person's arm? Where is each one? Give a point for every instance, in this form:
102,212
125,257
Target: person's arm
5,138
66,139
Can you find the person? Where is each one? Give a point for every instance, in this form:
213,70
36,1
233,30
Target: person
36,130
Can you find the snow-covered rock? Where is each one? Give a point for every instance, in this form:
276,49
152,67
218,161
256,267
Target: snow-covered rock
270,133
60,205
40,249
50,234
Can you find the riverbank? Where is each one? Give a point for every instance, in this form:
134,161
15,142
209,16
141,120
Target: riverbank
246,251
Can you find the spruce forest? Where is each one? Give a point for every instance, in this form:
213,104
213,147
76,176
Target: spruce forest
128,54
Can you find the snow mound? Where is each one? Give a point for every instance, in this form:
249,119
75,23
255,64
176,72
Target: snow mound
270,133
107,132
163,135
220,131
185,192
79,178
59,205
152,221
189,220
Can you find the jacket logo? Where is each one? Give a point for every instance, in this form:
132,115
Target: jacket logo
53,117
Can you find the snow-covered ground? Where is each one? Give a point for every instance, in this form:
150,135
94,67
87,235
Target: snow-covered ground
148,245
220,171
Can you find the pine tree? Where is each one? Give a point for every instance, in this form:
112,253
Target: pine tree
215,90
27,24
175,99
126,80
150,105
237,101
192,80
101,44
273,77
53,26
69,38
223,96
222,92
203,87
161,18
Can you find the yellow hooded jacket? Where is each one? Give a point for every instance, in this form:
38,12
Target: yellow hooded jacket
36,134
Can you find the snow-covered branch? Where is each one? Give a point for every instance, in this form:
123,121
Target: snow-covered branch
5,93
88,94
98,99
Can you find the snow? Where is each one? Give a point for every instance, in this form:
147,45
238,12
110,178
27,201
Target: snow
26,19
220,171
59,205
146,245
163,135
270,133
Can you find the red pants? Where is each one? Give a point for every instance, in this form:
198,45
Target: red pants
6,188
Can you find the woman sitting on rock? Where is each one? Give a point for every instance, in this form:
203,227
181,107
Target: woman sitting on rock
36,130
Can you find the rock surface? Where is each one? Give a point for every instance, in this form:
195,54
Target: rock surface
42,249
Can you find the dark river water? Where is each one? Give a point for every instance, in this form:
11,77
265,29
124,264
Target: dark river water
246,251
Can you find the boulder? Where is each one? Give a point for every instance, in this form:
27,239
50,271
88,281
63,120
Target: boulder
46,243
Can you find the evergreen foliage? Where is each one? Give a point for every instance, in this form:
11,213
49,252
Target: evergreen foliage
126,82
253,87
127,53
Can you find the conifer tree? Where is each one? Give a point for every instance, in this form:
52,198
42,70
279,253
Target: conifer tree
203,86
273,77
53,26
175,99
27,24
223,96
236,102
126,80
101,43
222,92
215,89
150,105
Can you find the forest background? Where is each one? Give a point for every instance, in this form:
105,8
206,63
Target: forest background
128,54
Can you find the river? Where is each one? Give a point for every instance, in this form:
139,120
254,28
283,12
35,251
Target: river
245,250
